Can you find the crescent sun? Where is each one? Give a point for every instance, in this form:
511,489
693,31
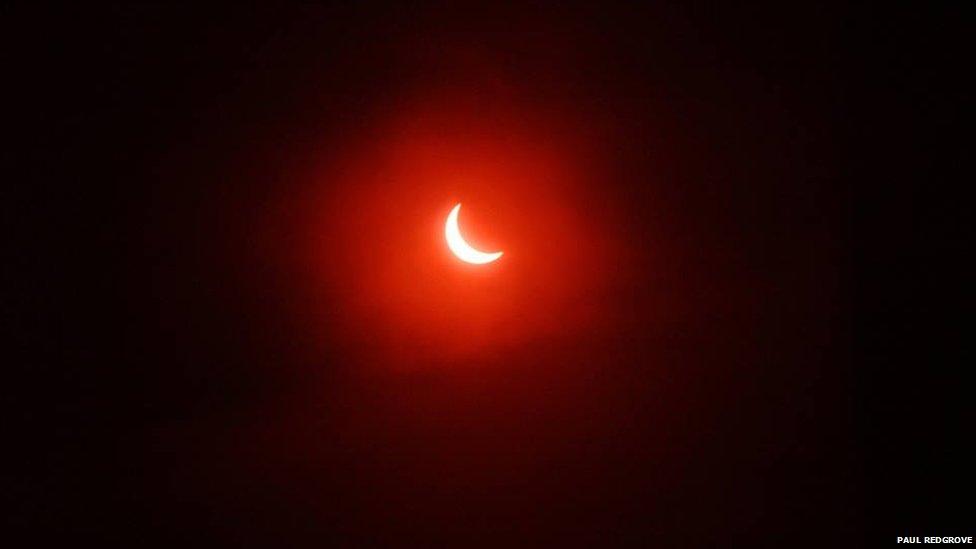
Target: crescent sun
459,247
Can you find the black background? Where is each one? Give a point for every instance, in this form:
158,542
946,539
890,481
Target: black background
158,385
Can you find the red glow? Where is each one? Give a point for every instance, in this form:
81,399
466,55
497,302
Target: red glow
391,287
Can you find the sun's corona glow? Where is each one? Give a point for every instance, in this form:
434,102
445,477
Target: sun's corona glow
459,247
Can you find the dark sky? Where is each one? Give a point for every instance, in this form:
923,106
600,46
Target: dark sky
719,320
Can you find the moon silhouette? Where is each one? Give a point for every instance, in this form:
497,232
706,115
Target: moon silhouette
459,247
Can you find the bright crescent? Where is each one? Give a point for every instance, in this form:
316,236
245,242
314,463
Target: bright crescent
462,249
